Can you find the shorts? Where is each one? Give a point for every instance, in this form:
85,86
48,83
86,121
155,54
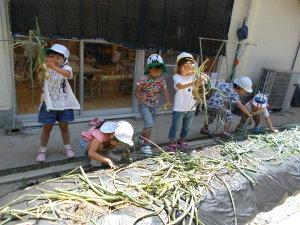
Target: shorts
148,115
50,117
225,114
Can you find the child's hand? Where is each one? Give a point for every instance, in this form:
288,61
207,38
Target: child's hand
111,164
142,98
167,106
203,78
50,63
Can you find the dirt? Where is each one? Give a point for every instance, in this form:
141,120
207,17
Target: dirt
287,213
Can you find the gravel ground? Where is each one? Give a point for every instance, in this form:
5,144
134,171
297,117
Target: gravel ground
287,213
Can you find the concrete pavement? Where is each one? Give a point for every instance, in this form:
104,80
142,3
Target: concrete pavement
18,152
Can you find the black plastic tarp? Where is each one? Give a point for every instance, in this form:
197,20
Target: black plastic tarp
161,24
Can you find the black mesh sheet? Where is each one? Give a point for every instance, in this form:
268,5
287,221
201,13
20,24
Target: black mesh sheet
161,24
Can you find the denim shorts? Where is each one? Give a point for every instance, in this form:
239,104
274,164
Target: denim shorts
50,117
148,115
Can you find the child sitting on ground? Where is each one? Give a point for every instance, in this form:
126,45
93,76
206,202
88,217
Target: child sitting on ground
184,103
106,137
256,106
147,91
58,100
220,103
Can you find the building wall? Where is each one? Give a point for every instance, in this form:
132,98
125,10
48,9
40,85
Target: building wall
274,25
5,67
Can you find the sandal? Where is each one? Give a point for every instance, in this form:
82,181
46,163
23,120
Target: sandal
225,135
184,147
206,132
172,148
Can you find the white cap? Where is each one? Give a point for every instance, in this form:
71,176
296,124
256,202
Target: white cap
260,100
108,127
245,83
124,132
122,129
61,49
184,55
154,58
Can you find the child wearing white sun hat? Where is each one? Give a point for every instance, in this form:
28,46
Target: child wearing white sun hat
106,137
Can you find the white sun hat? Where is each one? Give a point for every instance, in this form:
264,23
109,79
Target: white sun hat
184,55
260,100
124,132
108,127
245,83
59,49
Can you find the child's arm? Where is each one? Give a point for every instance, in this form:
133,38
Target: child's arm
197,82
166,94
94,146
243,109
50,64
270,125
183,86
138,94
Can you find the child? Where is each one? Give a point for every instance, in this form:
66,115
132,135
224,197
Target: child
57,100
256,106
184,103
107,136
147,92
221,100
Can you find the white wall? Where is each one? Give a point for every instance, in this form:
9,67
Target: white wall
274,25
5,62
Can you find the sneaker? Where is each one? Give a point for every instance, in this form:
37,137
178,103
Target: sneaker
183,147
69,153
206,132
146,150
172,148
257,130
41,156
114,157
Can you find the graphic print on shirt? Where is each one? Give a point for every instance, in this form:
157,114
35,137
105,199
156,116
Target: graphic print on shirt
57,87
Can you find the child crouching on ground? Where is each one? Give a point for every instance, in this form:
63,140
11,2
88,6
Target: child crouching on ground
257,106
147,92
106,137
221,100
184,103
58,100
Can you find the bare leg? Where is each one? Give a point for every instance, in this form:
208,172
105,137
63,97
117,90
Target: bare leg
45,134
226,128
256,120
205,126
146,134
65,134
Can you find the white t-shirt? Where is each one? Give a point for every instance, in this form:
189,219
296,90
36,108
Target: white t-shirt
58,94
263,110
183,99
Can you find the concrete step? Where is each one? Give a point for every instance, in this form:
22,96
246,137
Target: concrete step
36,171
